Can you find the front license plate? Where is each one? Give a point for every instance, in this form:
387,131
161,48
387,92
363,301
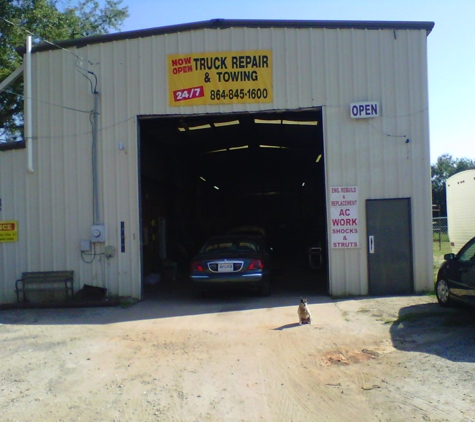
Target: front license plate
225,268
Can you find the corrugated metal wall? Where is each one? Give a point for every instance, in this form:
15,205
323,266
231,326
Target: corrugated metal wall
460,189
385,157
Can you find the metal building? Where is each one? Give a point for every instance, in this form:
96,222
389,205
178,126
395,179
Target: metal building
143,143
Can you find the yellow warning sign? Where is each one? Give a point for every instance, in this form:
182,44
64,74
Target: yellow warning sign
8,231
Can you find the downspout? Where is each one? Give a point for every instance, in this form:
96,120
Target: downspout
28,130
95,188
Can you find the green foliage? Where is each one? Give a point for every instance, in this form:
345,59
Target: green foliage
445,167
95,20
439,250
50,20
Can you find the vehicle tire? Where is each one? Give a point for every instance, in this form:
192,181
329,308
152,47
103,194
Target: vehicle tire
442,292
265,289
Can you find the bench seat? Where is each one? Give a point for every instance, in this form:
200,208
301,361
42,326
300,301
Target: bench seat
39,281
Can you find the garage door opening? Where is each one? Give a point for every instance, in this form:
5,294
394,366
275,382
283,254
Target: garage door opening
205,175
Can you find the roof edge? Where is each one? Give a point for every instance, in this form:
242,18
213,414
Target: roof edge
231,23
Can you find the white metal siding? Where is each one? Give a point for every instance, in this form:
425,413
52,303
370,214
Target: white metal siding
330,68
372,153
460,190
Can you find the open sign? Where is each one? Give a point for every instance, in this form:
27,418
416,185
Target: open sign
364,110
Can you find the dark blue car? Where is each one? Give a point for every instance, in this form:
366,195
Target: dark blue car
232,261
456,276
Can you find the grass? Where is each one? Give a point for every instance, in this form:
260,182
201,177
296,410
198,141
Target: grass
442,249
443,237
438,251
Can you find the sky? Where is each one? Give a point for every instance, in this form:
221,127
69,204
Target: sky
451,46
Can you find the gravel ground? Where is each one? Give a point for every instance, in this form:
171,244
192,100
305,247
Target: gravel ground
240,358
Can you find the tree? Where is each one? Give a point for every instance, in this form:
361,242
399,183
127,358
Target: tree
445,167
49,20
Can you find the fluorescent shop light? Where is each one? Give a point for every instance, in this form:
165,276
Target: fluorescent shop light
287,122
269,122
230,123
272,146
207,126
216,150
300,122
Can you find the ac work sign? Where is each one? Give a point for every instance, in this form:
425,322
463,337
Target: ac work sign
344,217
220,78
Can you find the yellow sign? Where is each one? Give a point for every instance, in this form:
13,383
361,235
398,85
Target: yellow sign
220,78
8,231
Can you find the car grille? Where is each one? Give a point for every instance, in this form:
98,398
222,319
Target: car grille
237,265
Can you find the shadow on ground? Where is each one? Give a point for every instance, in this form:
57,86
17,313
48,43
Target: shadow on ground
174,298
428,328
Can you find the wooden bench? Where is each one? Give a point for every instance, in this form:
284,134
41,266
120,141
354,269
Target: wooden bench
40,281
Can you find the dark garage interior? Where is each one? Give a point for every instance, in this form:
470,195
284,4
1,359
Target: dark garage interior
204,175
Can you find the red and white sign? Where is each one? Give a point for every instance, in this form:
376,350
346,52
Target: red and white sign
344,217
188,93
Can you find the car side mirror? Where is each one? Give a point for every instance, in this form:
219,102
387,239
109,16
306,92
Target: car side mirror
449,256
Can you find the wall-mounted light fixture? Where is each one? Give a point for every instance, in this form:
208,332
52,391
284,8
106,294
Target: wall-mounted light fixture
287,122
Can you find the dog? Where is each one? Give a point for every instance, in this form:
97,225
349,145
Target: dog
305,317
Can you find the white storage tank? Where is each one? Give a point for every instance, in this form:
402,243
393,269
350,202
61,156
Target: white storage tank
461,208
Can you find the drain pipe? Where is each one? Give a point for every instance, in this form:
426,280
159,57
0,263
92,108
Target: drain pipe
28,129
95,183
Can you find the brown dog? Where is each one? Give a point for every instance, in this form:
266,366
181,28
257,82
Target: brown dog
305,317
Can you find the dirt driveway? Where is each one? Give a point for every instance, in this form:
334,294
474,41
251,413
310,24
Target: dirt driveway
240,358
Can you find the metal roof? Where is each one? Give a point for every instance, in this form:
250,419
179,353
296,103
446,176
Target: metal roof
233,23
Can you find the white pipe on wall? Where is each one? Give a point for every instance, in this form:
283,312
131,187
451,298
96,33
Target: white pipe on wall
28,106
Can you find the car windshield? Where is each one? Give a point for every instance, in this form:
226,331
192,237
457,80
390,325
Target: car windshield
238,245
468,253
